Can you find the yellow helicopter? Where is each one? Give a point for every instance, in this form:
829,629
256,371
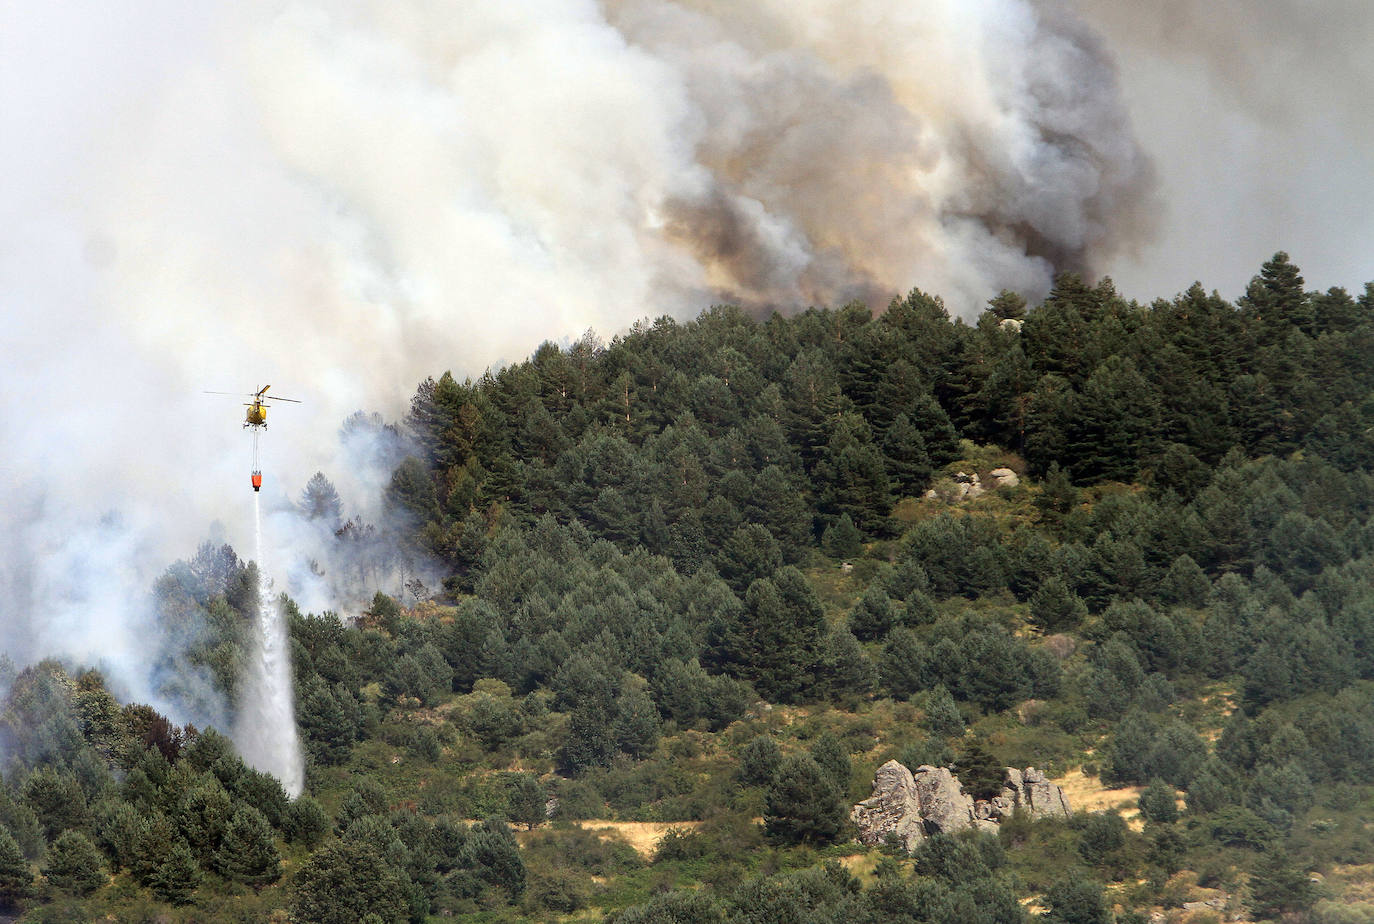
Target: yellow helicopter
256,418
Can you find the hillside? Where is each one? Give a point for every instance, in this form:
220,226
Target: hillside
699,583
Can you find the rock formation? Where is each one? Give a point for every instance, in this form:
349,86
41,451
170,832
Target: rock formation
1003,478
1039,796
908,806
893,811
945,807
962,486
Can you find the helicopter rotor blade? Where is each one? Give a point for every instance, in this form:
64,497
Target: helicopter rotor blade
232,394
275,398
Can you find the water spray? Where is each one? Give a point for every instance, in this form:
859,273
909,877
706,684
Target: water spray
265,729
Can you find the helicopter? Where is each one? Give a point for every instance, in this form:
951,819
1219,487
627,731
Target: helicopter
256,419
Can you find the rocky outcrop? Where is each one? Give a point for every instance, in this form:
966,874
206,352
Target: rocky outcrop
1003,478
893,811
962,486
1040,797
945,807
967,485
1212,904
908,806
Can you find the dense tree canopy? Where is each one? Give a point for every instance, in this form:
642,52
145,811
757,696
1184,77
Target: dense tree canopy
720,570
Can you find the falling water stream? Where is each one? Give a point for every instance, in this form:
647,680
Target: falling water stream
266,728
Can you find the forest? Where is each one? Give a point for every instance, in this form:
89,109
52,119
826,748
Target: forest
700,582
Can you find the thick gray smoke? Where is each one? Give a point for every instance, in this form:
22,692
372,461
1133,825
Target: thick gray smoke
339,197
1256,114
860,148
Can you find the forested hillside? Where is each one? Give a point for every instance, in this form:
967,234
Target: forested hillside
706,578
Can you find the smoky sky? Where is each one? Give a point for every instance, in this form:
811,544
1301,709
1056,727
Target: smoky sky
341,197
1256,115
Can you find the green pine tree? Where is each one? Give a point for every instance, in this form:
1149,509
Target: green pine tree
1158,802
73,864
1279,887
346,883
176,879
16,877
248,853
842,538
803,804
872,616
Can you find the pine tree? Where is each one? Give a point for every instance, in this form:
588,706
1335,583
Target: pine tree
636,723
844,671
750,553
981,774
653,530
1185,583
937,433
833,759
176,879
16,878
1158,802
153,840
1076,901
905,666
803,804
1276,299
1279,887
73,864
248,853
1214,787
908,461
526,800
872,616
1116,423
346,883
851,476
306,822
779,504
775,643
842,539
942,713
1054,607
591,738
320,501
57,799
203,816
759,761
492,851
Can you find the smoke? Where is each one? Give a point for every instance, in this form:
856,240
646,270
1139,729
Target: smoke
856,149
1256,115
340,197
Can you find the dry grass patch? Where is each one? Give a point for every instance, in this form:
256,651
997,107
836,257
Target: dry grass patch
1089,794
643,836
861,865
1354,883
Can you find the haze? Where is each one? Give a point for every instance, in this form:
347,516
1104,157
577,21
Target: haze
339,199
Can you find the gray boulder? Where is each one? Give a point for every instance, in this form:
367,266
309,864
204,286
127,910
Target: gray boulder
1003,478
1032,792
1042,798
945,807
894,809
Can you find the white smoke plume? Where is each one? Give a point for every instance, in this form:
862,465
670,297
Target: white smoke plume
340,197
